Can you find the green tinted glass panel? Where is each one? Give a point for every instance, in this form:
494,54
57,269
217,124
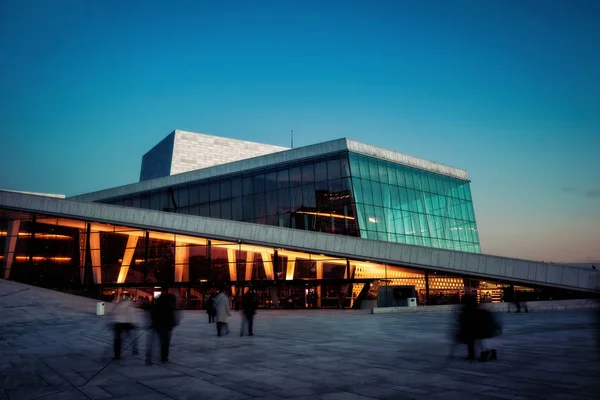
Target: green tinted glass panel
395,202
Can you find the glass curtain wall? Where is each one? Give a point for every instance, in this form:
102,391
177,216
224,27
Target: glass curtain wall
311,194
401,204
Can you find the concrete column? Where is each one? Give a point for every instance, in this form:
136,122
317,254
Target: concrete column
127,257
268,265
232,263
182,262
319,276
10,246
249,265
291,266
96,259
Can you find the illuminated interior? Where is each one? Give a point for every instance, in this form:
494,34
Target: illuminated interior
72,252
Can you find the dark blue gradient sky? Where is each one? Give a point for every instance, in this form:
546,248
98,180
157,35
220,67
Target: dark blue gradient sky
509,90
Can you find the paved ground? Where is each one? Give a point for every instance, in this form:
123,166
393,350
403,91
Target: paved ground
53,347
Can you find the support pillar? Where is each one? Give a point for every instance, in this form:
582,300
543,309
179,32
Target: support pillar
95,255
319,276
127,258
182,262
268,265
232,263
426,288
291,266
249,265
10,246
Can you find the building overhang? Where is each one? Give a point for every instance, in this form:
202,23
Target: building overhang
483,266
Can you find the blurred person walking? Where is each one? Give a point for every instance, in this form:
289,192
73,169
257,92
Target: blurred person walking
123,321
164,319
249,305
223,312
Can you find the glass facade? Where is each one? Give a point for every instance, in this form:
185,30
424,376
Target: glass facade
401,204
103,260
312,194
344,193
74,254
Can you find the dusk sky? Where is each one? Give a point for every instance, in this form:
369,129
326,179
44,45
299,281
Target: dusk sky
508,90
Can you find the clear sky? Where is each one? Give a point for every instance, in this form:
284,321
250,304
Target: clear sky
507,89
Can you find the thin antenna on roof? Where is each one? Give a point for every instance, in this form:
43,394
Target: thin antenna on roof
292,138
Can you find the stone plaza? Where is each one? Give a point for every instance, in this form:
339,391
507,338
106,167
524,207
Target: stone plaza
53,346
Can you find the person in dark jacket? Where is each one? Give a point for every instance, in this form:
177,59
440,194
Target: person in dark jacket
467,325
210,308
487,328
249,304
162,314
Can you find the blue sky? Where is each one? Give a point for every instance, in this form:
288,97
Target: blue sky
509,90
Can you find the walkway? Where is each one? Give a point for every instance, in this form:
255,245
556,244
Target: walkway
53,347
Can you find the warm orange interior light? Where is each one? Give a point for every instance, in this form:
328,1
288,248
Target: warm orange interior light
321,214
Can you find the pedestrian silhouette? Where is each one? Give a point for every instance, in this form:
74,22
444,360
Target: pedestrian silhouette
249,304
223,312
164,319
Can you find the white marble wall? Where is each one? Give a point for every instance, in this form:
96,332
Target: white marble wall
194,151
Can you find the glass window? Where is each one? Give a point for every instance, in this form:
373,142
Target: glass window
136,201
272,208
248,207
333,169
403,198
420,202
468,192
247,185
383,173
417,179
366,191
182,194
424,181
351,166
320,171
377,199
373,169
284,200
391,170
194,193
283,179
295,176
155,200
214,191
205,210
195,210
358,193
259,183
237,209
308,196
226,209
400,178
370,218
236,186
215,209
204,193
380,216
225,188
260,205
271,183
364,167
296,197
308,173
408,177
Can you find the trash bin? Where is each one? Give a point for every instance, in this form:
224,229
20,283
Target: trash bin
100,308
